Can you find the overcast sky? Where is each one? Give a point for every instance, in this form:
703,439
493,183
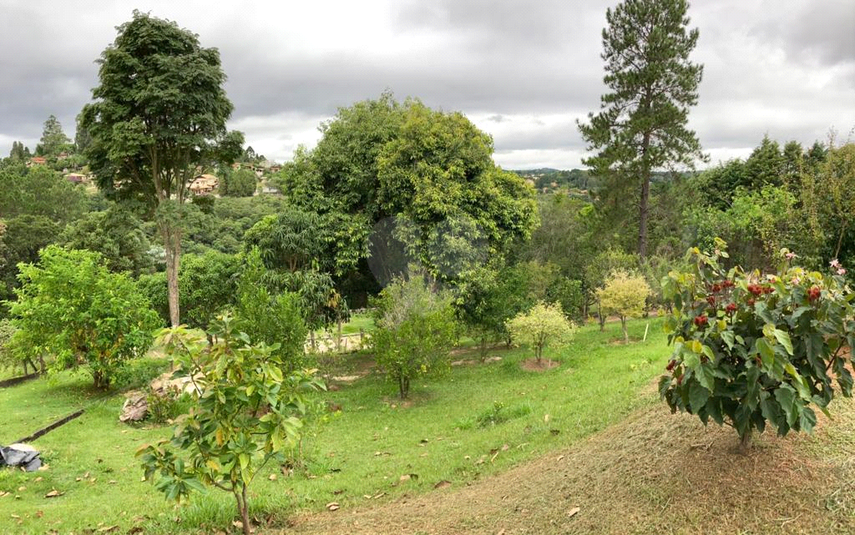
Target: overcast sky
522,70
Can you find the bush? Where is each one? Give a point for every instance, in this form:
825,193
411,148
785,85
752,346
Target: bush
542,325
270,319
71,306
752,349
247,411
625,295
416,329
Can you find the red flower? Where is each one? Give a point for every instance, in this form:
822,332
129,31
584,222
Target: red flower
727,283
755,289
701,320
731,308
711,300
716,288
751,302
768,289
814,293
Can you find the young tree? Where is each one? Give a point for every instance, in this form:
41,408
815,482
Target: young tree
752,350
642,123
542,325
416,329
599,269
71,306
248,411
624,294
159,113
275,319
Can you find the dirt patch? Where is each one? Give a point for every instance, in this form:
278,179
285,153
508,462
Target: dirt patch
532,365
652,473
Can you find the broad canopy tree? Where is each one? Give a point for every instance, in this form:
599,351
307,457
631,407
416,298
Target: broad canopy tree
158,114
429,173
652,84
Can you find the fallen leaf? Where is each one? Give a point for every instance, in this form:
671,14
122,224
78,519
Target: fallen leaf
442,484
22,489
546,418
108,529
376,496
54,494
78,479
333,506
238,524
40,514
505,447
573,512
560,457
38,479
16,517
272,477
112,482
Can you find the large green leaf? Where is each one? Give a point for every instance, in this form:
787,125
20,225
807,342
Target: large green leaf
784,339
786,397
698,396
767,352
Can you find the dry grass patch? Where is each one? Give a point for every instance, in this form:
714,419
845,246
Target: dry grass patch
652,474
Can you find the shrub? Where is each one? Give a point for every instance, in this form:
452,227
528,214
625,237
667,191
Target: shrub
416,328
71,306
541,326
270,319
752,349
624,294
247,412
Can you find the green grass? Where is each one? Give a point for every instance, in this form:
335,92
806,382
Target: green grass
450,429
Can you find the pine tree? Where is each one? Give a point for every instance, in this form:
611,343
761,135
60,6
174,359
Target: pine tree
53,139
641,125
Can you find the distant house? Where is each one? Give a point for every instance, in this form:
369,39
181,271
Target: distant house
36,160
204,184
77,178
62,156
270,190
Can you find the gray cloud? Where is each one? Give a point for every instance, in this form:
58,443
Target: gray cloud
522,70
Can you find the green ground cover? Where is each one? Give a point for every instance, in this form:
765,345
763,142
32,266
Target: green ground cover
478,420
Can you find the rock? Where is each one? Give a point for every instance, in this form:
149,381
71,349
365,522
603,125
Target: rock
135,407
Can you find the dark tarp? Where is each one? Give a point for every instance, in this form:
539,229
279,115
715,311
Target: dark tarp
20,455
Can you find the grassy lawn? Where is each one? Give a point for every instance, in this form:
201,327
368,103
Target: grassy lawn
450,430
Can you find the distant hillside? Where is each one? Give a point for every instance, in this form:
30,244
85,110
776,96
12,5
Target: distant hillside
552,179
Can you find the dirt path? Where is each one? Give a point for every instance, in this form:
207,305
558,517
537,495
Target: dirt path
653,473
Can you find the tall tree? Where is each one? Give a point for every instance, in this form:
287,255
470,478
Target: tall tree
652,84
53,139
159,112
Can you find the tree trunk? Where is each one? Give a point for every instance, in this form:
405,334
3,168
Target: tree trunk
625,333
600,317
243,509
403,386
745,441
645,195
